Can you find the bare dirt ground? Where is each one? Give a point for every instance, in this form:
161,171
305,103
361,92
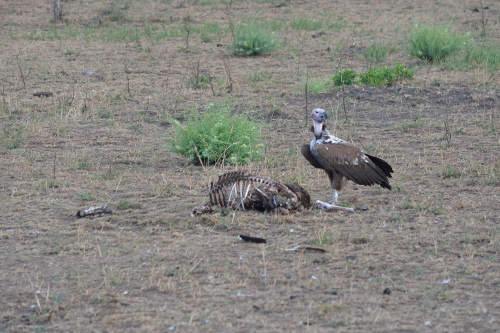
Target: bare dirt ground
151,267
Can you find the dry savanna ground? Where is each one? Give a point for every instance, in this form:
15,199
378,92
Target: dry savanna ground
433,240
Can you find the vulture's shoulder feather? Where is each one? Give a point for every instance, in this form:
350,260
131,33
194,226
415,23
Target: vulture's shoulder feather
306,152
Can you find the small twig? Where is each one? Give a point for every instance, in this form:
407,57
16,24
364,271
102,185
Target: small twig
191,269
199,158
229,18
227,69
210,81
343,88
57,10
483,20
72,97
187,27
196,71
20,69
306,91
167,79
298,65
447,134
54,168
127,71
4,102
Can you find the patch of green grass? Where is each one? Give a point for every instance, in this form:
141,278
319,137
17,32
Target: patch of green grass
360,240
40,328
13,136
338,24
306,24
485,55
448,171
199,80
125,205
211,31
218,137
87,197
83,164
336,323
259,76
416,123
46,184
377,52
323,237
318,86
435,44
254,39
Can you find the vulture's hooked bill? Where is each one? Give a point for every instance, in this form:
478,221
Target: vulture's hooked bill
342,160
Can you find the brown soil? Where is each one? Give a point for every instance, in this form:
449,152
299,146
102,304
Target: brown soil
151,267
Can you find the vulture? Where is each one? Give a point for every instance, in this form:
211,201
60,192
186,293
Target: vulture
342,160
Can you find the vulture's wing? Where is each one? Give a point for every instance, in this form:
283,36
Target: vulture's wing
352,163
306,151
383,165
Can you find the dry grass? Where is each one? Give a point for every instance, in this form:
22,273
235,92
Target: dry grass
151,267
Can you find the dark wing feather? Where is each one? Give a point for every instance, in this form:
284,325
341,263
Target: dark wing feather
383,165
347,159
306,151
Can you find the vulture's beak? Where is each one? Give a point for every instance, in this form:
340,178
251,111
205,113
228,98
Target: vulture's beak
319,115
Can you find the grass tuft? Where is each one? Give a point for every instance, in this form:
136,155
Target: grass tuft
218,137
435,44
253,39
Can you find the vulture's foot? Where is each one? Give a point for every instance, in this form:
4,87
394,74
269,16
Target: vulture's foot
330,207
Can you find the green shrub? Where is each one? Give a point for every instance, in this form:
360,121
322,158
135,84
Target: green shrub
346,77
385,75
375,76
401,72
218,137
253,39
435,44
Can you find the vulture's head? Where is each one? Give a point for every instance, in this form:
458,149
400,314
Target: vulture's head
318,116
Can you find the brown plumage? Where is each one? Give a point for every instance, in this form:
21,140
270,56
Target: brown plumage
342,160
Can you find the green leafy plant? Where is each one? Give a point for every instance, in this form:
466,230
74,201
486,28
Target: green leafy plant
346,77
435,44
385,75
374,75
377,76
218,137
253,39
401,72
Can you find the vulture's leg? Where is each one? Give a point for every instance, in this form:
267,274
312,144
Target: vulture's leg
335,196
338,182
